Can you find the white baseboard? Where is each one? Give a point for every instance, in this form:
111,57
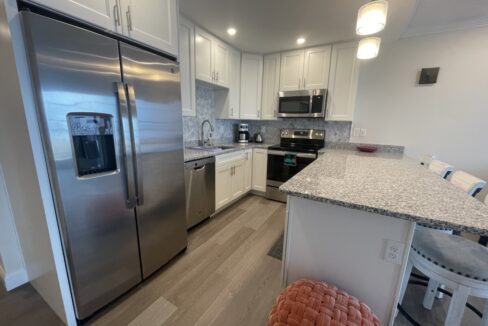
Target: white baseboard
13,280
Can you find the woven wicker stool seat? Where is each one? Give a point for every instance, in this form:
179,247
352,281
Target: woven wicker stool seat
308,303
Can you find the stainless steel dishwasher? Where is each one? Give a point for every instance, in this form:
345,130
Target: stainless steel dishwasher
200,190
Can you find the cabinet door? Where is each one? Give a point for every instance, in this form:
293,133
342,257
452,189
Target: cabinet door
187,67
316,68
235,84
248,171
221,63
203,56
259,168
291,70
238,179
251,83
152,22
343,80
271,86
223,184
102,13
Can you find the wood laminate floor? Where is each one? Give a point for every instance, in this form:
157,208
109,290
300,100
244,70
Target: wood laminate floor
224,278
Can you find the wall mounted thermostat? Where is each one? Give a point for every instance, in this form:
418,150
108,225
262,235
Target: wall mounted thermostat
429,75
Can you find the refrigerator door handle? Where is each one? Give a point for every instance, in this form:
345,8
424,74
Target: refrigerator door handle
136,144
127,145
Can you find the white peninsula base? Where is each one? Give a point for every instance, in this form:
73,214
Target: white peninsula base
347,247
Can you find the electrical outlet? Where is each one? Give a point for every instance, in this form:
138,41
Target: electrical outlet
356,132
362,133
394,252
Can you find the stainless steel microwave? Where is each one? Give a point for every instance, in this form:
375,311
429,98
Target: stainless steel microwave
302,104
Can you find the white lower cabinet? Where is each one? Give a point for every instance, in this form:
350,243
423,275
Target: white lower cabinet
230,173
223,184
238,187
259,169
248,170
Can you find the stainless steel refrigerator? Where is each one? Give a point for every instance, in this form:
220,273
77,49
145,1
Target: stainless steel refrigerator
110,118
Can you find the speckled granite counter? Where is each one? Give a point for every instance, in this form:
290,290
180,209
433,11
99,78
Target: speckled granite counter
389,184
195,154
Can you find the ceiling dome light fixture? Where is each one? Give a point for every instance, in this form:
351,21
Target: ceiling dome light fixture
231,31
301,40
372,17
368,48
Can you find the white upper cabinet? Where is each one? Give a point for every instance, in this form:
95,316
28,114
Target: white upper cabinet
152,22
316,68
187,67
203,56
212,59
292,70
271,86
343,80
305,69
221,63
227,101
235,84
251,86
103,13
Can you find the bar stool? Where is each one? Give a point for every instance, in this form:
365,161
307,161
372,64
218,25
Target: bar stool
459,263
467,182
441,168
484,239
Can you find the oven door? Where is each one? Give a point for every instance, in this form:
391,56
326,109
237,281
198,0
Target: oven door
281,167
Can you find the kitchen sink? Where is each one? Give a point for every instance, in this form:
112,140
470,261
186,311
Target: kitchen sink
211,148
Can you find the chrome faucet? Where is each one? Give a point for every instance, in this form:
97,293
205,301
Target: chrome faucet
206,141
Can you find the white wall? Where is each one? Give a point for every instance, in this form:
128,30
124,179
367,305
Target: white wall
448,119
25,171
12,267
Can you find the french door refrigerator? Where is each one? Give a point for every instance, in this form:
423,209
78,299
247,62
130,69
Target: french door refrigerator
110,118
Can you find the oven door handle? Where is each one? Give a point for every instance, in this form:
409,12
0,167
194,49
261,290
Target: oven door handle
303,155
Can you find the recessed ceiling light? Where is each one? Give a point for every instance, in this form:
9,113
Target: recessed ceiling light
231,31
301,40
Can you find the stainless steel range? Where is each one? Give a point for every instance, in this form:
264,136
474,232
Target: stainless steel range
297,149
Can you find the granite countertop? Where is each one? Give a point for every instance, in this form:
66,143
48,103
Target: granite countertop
389,184
191,154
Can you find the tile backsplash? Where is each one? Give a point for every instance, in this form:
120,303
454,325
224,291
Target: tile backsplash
336,131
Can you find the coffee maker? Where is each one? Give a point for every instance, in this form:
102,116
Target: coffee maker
243,135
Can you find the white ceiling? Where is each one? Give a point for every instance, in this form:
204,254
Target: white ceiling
266,26
432,16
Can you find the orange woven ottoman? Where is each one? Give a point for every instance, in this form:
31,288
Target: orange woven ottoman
314,303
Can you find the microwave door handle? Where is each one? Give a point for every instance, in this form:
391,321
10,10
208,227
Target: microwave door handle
126,144
137,158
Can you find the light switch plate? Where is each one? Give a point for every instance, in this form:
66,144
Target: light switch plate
362,133
356,132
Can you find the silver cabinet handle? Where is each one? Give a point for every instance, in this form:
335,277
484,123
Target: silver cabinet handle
136,147
303,82
129,18
116,13
126,145
217,76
